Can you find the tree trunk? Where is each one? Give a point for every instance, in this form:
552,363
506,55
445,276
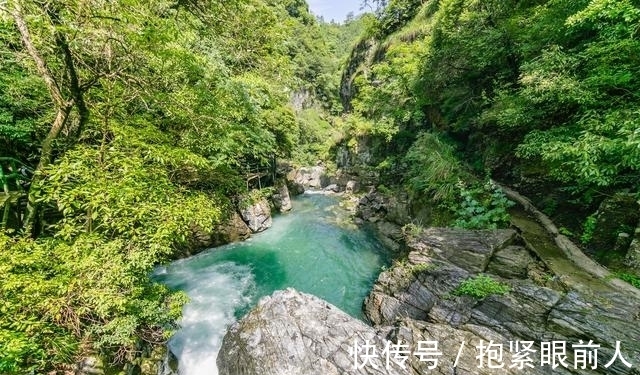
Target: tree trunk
63,106
45,159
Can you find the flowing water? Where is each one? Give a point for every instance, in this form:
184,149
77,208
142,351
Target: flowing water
307,249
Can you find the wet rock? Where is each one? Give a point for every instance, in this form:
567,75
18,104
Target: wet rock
281,199
257,216
231,229
333,188
295,188
291,333
160,361
168,364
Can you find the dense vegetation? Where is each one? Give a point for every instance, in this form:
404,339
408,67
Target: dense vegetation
540,94
139,119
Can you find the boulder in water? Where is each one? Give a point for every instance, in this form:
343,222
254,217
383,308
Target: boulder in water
312,177
257,215
292,333
231,229
333,188
281,199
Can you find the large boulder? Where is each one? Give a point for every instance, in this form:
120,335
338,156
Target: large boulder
311,177
281,198
257,215
292,333
230,229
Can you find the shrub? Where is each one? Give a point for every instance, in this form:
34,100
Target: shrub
630,278
481,287
588,228
434,170
482,207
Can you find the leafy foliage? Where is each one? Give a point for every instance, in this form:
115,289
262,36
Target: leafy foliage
170,101
434,169
481,287
482,208
588,228
543,90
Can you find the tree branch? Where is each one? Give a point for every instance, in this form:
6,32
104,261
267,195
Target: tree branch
41,65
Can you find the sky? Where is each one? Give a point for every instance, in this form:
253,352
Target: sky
334,9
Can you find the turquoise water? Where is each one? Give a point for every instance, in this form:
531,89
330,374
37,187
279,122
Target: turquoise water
307,249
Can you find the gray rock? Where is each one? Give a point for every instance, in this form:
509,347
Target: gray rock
419,292
511,262
295,188
470,250
281,199
333,187
291,333
371,207
415,300
351,187
257,216
312,177
453,340
231,229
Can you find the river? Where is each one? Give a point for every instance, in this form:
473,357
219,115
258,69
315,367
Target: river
307,249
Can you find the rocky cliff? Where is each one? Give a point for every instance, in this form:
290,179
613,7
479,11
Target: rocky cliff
418,300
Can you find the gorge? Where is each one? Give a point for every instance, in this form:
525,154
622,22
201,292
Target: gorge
313,249
472,173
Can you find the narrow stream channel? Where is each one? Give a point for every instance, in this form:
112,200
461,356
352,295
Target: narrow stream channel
306,249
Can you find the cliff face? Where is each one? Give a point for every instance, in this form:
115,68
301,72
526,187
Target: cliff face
540,307
417,300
